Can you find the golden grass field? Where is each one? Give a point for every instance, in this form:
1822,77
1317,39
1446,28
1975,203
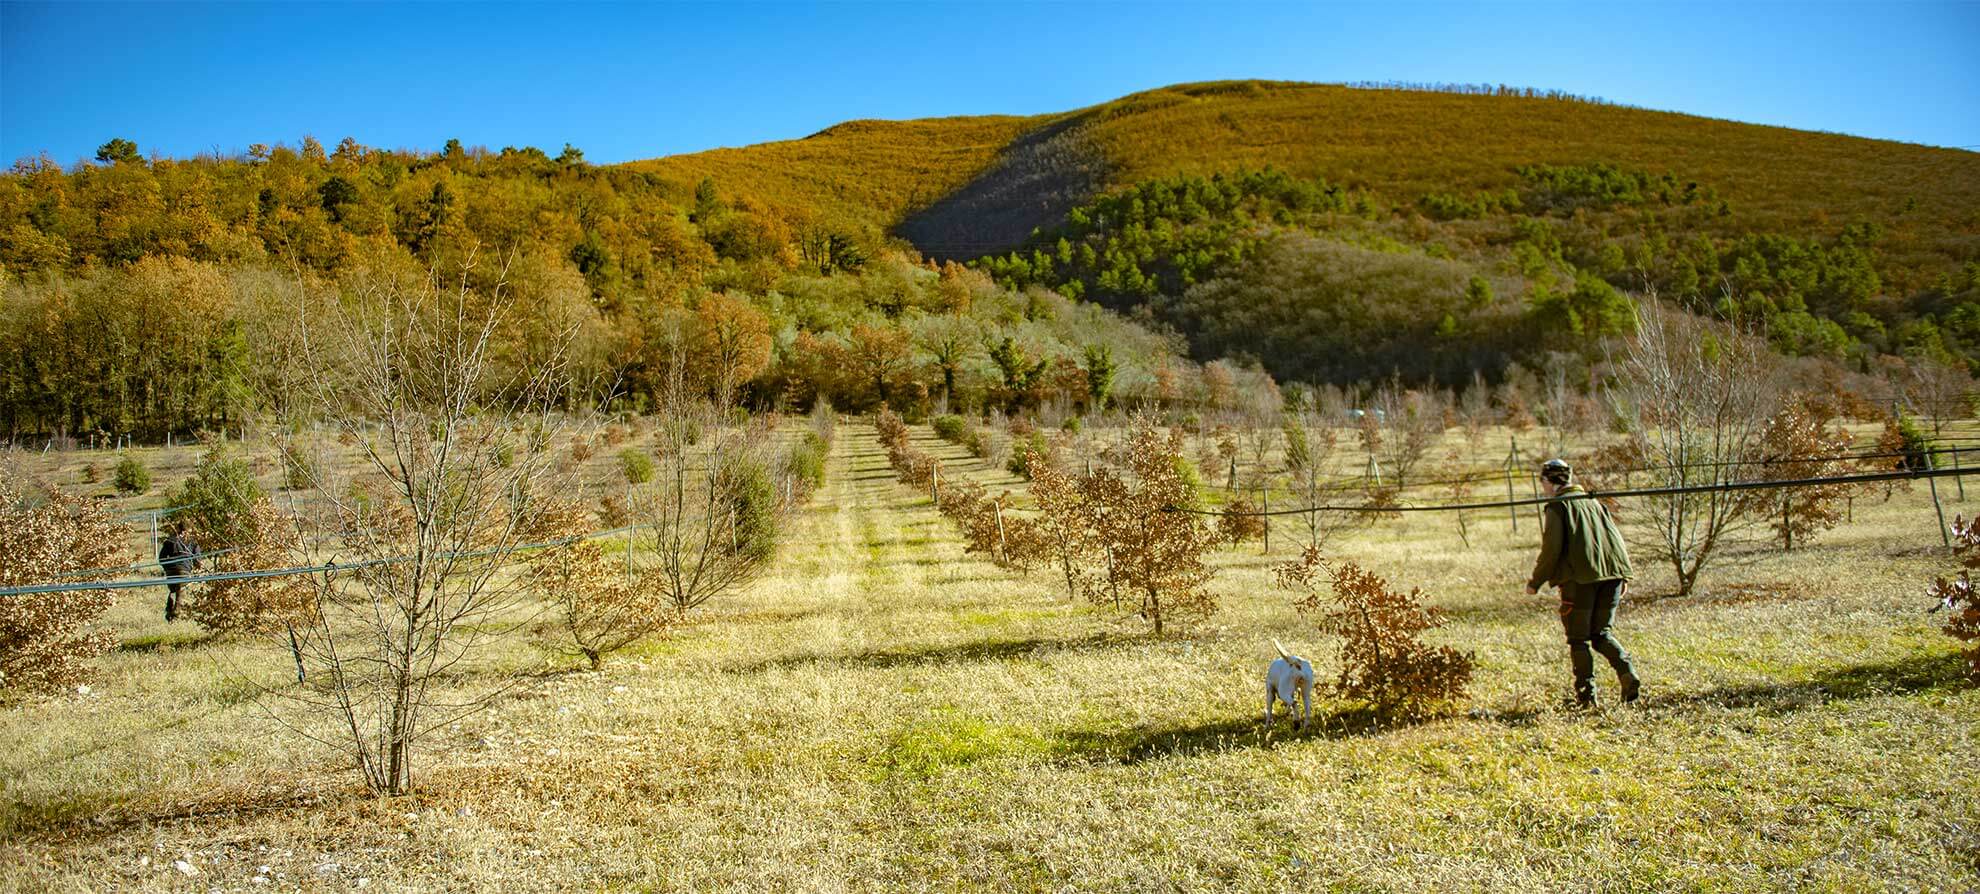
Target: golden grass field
884,712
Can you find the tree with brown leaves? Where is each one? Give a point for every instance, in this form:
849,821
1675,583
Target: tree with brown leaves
260,605
1959,598
600,606
1798,444
1152,553
46,638
1383,661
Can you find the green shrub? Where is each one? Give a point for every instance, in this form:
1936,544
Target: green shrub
1191,478
299,471
637,466
219,499
1071,426
132,477
951,428
754,500
1022,451
806,460
1299,450
1910,441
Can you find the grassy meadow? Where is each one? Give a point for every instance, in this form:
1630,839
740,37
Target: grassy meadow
882,711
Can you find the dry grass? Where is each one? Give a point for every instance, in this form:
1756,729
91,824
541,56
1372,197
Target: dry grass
883,712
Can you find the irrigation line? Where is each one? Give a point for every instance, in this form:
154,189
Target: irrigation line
252,574
1717,487
1496,474
140,566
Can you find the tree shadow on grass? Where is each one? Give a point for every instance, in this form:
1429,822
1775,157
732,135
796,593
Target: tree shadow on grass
974,651
1134,746
1904,676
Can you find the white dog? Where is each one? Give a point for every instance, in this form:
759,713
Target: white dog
1286,677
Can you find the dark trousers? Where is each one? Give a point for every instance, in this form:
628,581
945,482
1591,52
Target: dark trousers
1587,610
173,584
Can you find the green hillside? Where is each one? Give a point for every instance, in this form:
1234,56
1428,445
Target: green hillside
1838,247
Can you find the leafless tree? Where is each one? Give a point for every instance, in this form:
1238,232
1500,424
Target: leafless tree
703,520
1314,458
455,475
1695,400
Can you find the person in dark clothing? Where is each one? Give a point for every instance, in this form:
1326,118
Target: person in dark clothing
1582,553
178,556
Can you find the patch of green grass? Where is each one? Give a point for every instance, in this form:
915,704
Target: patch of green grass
951,739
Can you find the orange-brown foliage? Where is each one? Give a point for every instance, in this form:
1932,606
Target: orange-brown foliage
1383,662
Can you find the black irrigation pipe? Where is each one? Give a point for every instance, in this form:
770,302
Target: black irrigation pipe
252,574
1716,487
1496,474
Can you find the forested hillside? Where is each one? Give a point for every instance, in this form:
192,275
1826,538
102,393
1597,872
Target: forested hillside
1329,233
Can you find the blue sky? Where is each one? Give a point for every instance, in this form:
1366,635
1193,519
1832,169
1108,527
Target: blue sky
626,81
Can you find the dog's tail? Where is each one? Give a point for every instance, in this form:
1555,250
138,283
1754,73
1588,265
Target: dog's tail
1282,649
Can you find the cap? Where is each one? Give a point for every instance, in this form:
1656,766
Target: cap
1555,470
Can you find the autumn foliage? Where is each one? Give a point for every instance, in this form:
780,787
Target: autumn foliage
45,638
263,604
1959,598
599,607
1383,661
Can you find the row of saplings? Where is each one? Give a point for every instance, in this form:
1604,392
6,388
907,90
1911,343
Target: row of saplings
596,605
1128,534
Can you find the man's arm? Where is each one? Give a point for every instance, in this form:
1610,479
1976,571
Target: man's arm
1550,546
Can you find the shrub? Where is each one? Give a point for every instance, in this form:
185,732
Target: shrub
1071,426
893,432
92,473
1383,663
824,421
1799,444
299,470
1903,437
46,638
1236,524
132,477
752,505
219,500
1959,598
1299,448
613,511
599,611
806,460
256,605
1152,556
951,428
1023,451
582,449
636,465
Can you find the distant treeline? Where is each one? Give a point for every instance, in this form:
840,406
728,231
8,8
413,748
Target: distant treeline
151,296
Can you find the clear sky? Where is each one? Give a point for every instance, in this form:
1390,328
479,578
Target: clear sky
626,81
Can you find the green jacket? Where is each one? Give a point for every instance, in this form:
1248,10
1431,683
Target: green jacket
1580,544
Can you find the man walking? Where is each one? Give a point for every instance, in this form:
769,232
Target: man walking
177,555
1582,553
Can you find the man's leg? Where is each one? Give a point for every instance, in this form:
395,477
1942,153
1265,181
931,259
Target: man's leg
1577,607
1606,594
172,602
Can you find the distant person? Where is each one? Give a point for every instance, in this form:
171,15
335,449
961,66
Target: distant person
1583,554
178,555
